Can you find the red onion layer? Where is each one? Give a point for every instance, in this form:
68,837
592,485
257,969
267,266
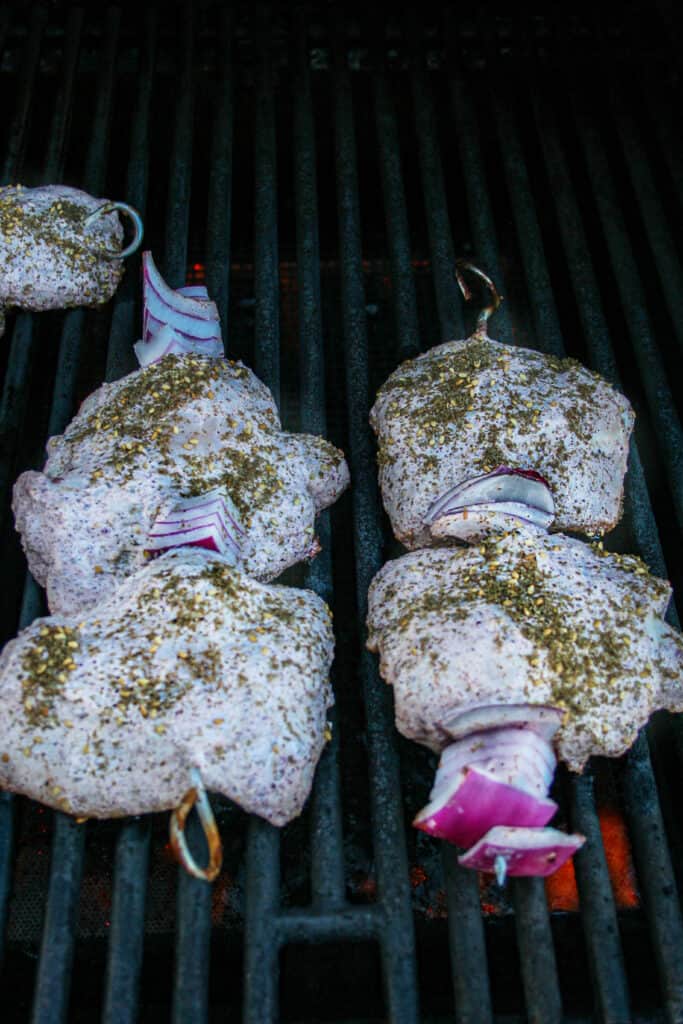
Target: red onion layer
186,312
210,521
536,852
521,494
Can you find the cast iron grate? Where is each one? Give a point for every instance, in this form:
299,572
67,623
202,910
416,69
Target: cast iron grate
321,170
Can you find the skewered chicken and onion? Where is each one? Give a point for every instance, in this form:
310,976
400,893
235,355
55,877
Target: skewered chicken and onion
475,435
180,427
500,652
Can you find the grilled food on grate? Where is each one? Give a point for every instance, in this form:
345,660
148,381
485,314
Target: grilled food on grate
60,247
500,651
475,435
179,428
188,666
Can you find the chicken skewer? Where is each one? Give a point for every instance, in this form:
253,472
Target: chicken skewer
505,655
61,247
475,435
190,674
189,449
177,429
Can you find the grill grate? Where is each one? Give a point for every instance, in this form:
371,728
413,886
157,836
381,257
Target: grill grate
481,136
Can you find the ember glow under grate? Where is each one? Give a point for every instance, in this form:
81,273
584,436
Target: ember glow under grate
320,174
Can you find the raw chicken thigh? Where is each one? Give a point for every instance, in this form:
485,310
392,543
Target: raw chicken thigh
454,422
179,428
52,253
189,666
526,618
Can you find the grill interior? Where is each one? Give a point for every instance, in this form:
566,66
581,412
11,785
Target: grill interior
320,169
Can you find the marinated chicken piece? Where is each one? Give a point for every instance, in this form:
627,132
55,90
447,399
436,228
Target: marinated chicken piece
188,665
50,257
179,428
526,619
449,419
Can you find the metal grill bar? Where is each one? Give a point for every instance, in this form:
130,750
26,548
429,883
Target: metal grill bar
652,371
261,945
398,949
652,858
351,923
602,357
26,85
54,971
469,968
598,912
263,847
468,951
536,952
120,356
482,222
53,980
327,860
640,790
396,218
534,262
31,602
127,934
266,266
126,939
654,218
220,181
448,299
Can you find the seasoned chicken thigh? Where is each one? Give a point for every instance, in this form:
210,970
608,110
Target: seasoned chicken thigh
526,619
179,428
452,424
188,666
51,255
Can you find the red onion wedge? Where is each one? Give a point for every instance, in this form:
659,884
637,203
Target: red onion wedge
543,719
164,342
534,852
194,291
208,521
474,803
491,500
517,757
188,311
495,777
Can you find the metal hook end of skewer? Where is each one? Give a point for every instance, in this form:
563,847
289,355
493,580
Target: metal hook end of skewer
500,867
196,797
496,299
138,226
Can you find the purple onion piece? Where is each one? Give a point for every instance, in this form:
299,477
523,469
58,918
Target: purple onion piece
524,488
209,521
515,756
543,719
536,852
475,804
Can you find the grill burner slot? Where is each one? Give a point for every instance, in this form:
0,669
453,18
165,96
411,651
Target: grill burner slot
483,135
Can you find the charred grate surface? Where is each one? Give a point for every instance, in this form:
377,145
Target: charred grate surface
320,171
